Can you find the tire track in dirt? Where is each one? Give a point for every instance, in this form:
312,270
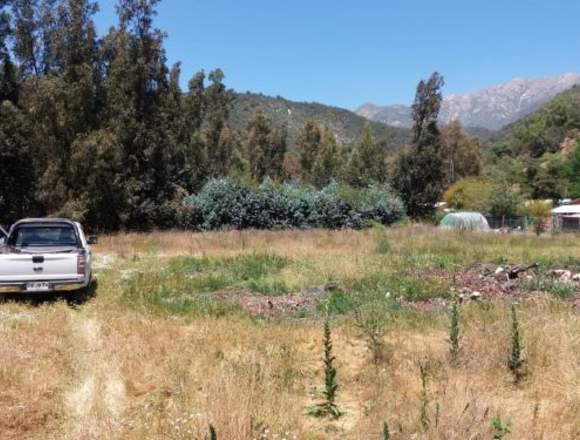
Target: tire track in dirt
94,402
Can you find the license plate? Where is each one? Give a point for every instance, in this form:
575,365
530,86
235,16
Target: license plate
37,287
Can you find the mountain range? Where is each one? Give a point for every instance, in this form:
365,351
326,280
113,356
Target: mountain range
491,108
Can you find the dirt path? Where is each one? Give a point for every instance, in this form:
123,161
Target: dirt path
94,402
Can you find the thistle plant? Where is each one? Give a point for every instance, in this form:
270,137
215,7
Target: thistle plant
371,323
386,432
328,407
424,417
454,334
212,433
516,360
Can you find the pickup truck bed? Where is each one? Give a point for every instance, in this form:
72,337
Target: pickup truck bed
44,255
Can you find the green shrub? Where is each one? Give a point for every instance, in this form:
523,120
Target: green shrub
500,428
225,203
338,303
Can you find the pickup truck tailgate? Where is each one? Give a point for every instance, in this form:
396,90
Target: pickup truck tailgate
27,267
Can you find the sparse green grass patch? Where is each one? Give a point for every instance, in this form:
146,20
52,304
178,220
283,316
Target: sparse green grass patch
184,286
543,283
379,286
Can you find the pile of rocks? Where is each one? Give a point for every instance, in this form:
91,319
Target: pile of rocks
507,273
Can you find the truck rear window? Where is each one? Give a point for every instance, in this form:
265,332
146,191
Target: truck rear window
57,235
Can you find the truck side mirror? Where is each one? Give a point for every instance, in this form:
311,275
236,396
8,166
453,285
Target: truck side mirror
92,239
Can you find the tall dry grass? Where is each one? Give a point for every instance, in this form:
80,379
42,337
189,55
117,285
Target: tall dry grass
101,370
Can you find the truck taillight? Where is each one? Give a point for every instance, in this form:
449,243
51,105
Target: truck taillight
81,263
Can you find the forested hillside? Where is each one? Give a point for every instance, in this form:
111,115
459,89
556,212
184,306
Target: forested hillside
347,126
540,152
537,157
545,130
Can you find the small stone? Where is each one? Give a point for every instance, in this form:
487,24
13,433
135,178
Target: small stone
499,270
331,287
562,274
475,295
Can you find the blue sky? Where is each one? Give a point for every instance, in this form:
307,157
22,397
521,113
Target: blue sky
345,53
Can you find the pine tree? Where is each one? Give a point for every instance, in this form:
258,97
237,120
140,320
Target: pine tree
9,84
419,176
137,85
194,103
366,163
4,27
461,153
258,133
327,160
97,167
27,36
276,153
309,143
16,175
265,148
193,169
218,136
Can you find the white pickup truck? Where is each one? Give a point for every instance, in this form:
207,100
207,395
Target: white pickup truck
45,255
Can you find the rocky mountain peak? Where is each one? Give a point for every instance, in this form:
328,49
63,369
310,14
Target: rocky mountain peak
490,108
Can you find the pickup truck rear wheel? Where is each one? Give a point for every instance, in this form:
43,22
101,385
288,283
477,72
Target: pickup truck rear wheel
83,295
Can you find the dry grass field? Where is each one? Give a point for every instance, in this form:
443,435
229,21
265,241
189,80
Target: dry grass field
187,330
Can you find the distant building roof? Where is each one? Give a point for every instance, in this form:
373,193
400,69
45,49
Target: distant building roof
567,209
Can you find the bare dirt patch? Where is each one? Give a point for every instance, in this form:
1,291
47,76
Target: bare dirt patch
493,282
272,305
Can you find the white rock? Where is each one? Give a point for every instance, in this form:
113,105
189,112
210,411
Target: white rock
563,275
129,274
499,270
475,295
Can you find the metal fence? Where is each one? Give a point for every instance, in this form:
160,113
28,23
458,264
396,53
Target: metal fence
567,224
522,223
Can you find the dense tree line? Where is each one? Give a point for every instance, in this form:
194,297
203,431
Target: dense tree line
98,128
